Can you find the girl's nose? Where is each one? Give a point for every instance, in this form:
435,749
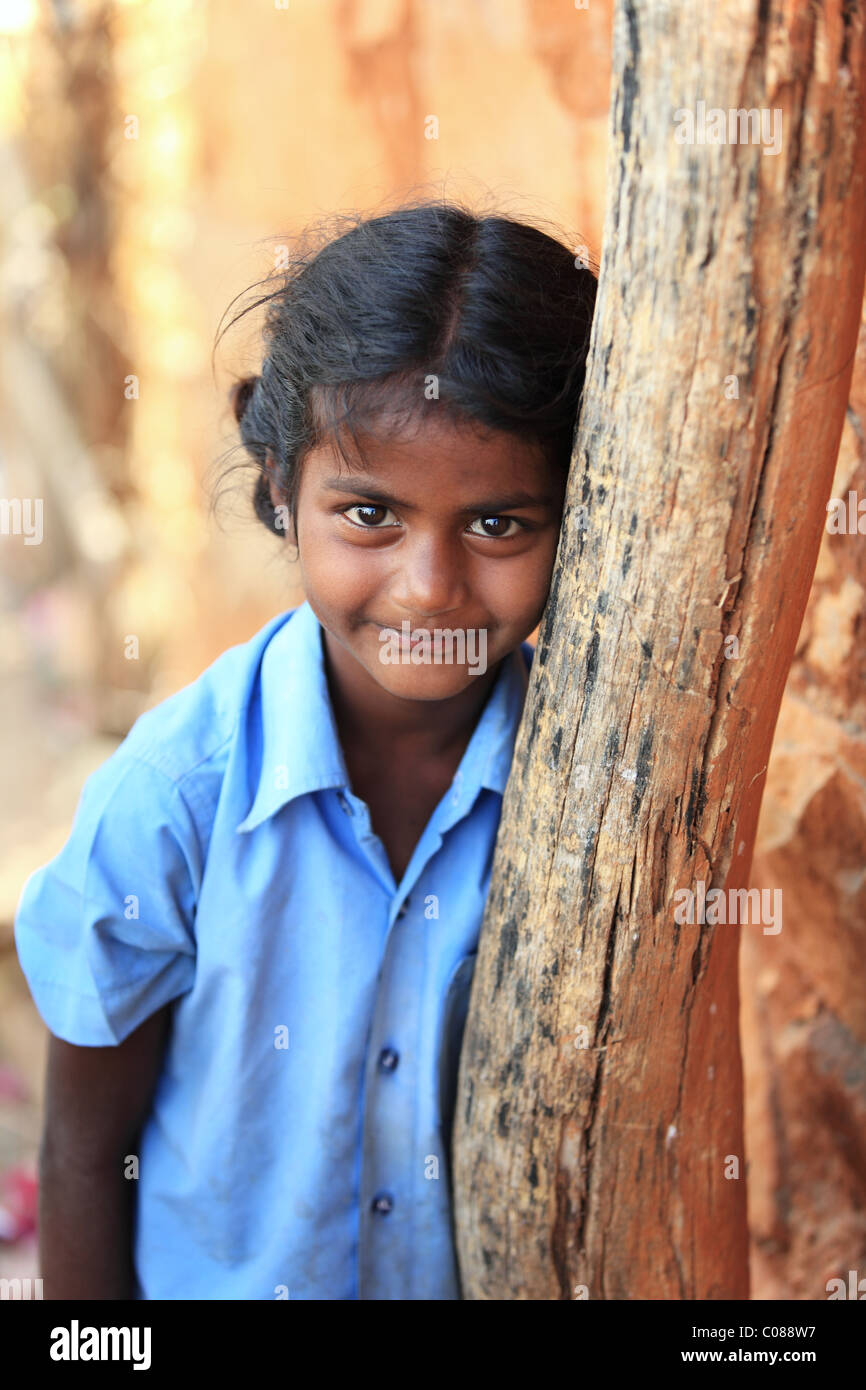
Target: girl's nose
433,583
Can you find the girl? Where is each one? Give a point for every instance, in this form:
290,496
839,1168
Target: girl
254,951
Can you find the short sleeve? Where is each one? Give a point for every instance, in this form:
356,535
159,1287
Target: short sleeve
105,931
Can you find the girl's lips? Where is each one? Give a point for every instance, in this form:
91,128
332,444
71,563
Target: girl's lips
416,635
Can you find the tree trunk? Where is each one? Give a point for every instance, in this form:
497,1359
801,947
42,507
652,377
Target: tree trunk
598,1143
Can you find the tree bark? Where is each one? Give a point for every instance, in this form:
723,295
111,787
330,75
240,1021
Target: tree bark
598,1143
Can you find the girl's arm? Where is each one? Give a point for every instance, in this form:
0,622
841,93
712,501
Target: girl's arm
96,1100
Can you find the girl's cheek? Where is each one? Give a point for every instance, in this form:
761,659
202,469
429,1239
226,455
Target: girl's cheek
326,539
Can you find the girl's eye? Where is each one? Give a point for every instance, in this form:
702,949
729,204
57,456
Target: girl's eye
365,507
500,521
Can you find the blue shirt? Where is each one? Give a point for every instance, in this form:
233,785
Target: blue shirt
298,1140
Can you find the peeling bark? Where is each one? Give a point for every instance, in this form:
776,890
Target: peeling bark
598,1146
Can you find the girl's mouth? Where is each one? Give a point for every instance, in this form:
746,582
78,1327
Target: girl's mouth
413,637
410,637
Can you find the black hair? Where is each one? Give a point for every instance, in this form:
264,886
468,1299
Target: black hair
428,307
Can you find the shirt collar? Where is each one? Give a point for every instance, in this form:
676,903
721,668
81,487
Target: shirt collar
301,750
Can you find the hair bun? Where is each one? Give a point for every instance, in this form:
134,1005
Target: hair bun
240,395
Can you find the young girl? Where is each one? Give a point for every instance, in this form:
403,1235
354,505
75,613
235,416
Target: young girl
255,950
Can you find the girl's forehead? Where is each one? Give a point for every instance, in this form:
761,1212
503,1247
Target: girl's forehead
439,445
457,483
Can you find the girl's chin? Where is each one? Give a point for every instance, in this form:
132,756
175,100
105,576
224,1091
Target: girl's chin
425,681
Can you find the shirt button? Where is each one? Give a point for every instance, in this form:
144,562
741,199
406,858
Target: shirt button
382,1203
388,1058
404,908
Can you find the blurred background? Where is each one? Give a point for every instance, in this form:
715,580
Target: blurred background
153,156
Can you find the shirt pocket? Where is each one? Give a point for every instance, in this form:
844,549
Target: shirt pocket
454,1011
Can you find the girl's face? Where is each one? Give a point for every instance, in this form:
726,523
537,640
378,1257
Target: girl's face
450,529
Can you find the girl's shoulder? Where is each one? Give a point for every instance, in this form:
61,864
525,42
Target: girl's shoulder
190,728
141,837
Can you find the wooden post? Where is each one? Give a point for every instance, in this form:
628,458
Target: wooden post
598,1143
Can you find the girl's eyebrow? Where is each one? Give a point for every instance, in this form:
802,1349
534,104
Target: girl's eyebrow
489,505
